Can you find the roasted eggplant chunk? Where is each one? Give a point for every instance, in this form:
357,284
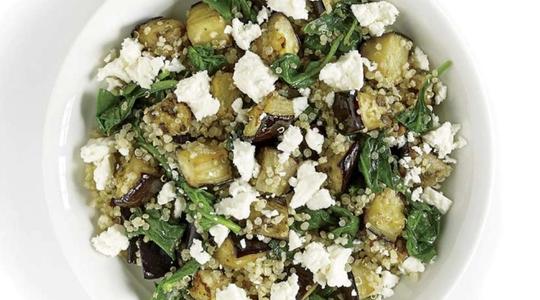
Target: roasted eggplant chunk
162,36
223,89
305,282
269,119
147,186
345,109
340,168
172,117
372,111
155,262
434,170
206,26
278,38
366,280
205,284
227,256
204,163
270,227
390,52
248,247
274,176
385,216
136,182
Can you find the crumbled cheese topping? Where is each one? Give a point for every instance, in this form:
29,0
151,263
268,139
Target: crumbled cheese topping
195,92
389,281
112,241
198,253
241,113
243,34
219,232
420,59
292,138
437,199
238,205
295,9
375,16
167,193
412,265
179,207
322,199
314,258
244,158
309,181
285,290
314,139
295,241
253,77
232,292
173,66
442,139
327,264
346,74
441,92
263,15
98,152
299,105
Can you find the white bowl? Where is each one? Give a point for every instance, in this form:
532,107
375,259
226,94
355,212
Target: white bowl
70,117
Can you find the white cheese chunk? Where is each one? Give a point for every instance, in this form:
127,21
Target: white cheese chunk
219,232
295,241
322,199
314,257
420,59
167,193
198,253
295,9
103,173
263,15
98,152
437,199
314,139
292,138
285,290
412,265
243,34
179,207
241,113
309,181
389,281
112,241
443,139
299,105
375,16
195,92
238,205
232,292
244,158
174,66
253,77
327,264
347,73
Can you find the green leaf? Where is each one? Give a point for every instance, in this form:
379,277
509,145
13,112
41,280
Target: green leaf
329,220
378,166
105,99
419,118
422,231
277,251
163,85
352,223
223,7
111,113
203,58
166,289
226,7
165,235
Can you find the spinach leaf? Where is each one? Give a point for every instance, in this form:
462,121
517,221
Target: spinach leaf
165,235
318,219
352,223
286,67
419,118
378,166
226,8
112,110
422,231
329,219
203,58
202,209
169,288
276,251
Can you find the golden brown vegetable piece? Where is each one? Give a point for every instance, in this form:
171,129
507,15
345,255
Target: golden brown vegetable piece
367,282
372,110
223,89
385,215
130,174
434,170
226,255
274,176
276,226
340,167
172,117
278,39
269,119
206,26
162,36
390,52
206,283
204,163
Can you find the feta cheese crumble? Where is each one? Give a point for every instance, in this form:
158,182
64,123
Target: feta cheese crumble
420,59
98,152
167,193
220,233
179,207
443,139
232,292
253,77
112,241
346,74
285,290
314,140
389,281
195,92
292,138
437,199
295,241
375,16
263,15
322,199
241,113
314,258
295,9
412,265
238,205
327,264
244,159
299,105
243,34
198,253
309,181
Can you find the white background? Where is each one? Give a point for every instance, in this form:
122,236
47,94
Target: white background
504,38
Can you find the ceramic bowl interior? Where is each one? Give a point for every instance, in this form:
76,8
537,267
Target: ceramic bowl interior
70,118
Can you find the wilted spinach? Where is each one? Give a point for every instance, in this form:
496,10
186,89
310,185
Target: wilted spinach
352,222
169,288
422,231
113,110
287,67
226,8
202,57
419,118
329,220
276,250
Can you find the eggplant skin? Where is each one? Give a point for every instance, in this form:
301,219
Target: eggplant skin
341,167
227,256
345,109
305,282
269,119
147,186
155,262
252,246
